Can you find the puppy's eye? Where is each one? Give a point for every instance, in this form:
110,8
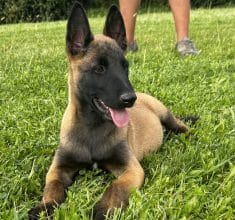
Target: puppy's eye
100,69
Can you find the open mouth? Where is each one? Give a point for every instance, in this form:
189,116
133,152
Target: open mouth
119,116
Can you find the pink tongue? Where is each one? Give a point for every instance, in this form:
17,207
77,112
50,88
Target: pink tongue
120,117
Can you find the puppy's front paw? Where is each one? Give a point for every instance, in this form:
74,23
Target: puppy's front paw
34,213
99,211
116,196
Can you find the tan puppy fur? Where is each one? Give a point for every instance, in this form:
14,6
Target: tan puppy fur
89,133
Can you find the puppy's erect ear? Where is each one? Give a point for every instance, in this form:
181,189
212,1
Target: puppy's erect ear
78,34
114,27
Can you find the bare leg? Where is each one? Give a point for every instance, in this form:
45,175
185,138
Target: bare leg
129,10
181,14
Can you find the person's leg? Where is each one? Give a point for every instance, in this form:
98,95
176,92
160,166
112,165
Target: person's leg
129,10
181,14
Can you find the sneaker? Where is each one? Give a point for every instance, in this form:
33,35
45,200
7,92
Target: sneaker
132,47
186,47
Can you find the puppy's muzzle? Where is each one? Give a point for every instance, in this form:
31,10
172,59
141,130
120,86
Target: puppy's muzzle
128,99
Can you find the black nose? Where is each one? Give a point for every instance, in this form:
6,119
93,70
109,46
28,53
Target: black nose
128,99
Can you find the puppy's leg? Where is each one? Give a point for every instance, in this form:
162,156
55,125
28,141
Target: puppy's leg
117,195
168,120
57,180
172,123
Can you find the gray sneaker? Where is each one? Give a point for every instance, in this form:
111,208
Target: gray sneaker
132,47
186,47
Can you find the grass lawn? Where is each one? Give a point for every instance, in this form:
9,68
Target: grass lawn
188,178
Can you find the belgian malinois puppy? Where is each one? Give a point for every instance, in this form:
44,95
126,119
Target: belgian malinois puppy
105,122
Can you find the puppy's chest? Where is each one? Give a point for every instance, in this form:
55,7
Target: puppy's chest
104,148
94,147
